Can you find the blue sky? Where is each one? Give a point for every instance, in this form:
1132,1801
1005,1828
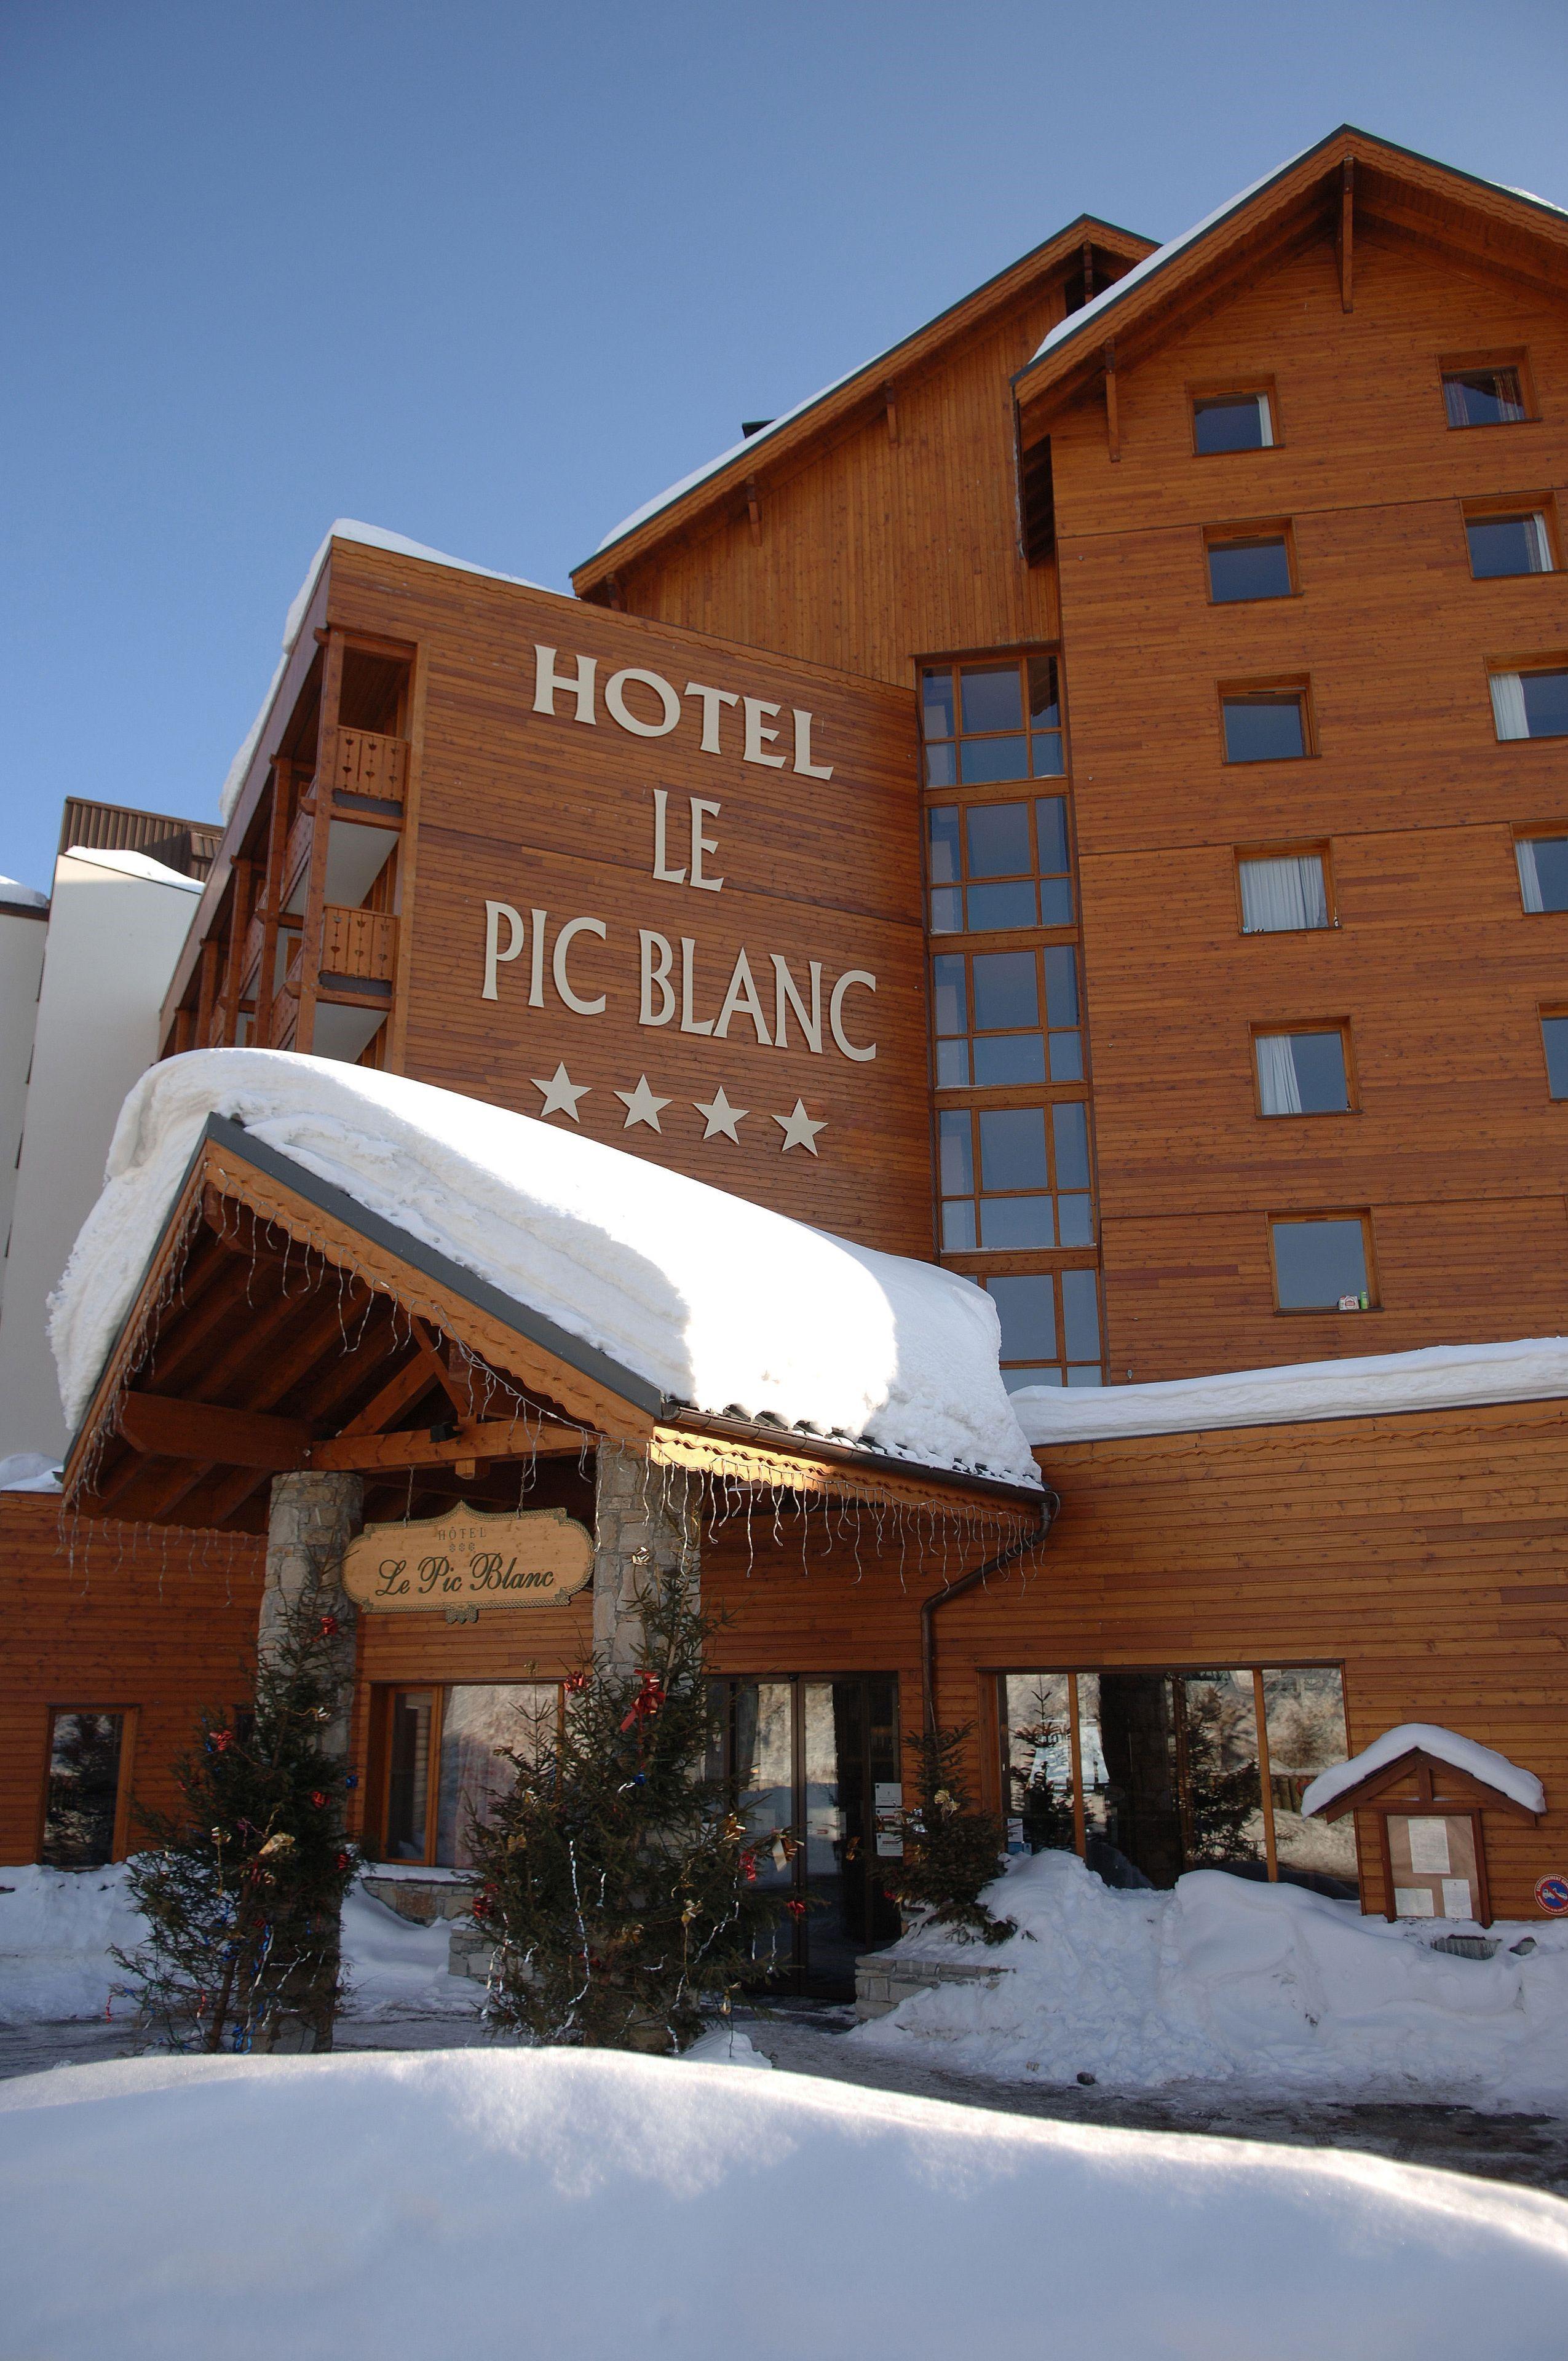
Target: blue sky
493,275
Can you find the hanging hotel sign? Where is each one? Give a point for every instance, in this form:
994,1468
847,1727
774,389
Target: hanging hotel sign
472,1557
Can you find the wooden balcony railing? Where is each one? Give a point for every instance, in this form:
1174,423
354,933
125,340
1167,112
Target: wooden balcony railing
296,853
359,944
357,763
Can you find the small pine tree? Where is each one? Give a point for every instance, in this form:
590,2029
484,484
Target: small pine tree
615,1876
952,1851
242,1888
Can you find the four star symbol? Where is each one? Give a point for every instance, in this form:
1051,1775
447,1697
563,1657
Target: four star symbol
641,1107
798,1129
561,1094
720,1117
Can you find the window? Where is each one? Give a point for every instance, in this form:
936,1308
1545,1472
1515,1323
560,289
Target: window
1531,704
1301,1073
1483,396
1150,1773
1320,1265
1015,1177
1233,421
1265,725
1554,1041
1543,864
985,860
1502,543
1250,565
988,1007
445,1762
1050,1327
1282,892
86,1758
988,723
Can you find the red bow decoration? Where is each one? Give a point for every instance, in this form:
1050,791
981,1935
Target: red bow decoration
221,1741
748,1867
575,1681
648,1700
795,1907
481,1906
329,1625
342,1859
318,1797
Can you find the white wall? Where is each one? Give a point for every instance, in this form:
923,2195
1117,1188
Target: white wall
22,920
117,922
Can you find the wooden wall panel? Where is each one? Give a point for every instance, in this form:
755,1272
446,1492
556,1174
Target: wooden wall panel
165,1624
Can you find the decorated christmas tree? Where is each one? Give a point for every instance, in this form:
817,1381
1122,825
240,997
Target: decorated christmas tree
951,1850
617,1876
242,1888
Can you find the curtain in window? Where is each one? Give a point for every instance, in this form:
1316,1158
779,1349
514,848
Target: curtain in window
1277,1085
1530,876
1537,545
1283,896
1264,421
1508,705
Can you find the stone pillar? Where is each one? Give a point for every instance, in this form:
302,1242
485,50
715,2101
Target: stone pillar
312,1519
645,1523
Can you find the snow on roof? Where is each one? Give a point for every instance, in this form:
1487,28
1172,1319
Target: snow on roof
132,865
1109,297
1492,1769
719,1303
24,898
29,1471
371,536
1438,1377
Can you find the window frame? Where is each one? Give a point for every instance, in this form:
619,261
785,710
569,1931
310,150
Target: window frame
994,660
1273,1029
1296,1219
1515,356
1550,661
1251,529
1233,388
1498,505
967,799
1548,831
1290,849
1550,1011
1273,689
124,1777
383,1698
1025,1262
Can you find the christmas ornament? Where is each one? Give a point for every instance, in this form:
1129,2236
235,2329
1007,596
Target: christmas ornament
328,1626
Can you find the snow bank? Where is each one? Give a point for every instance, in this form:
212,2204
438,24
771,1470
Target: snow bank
1437,1376
1224,1979
29,1471
58,1927
584,2205
717,1302
133,864
1464,1753
371,536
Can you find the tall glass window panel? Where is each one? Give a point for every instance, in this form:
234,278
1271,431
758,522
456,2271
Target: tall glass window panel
1303,1711
1053,860
1081,1326
945,869
83,1791
1264,729
1007,1010
949,1014
984,724
992,700
1317,1264
1233,421
1283,893
480,1725
1301,1073
1554,1038
997,836
955,1144
1062,1014
1044,718
1529,703
1242,570
1012,1160
983,862
1501,545
1483,396
407,1781
1543,864
1222,1785
1026,1304
1037,1753
763,1760
1069,1143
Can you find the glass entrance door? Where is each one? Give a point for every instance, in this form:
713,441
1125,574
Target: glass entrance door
821,1757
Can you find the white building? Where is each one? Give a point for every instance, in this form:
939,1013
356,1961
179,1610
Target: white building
82,975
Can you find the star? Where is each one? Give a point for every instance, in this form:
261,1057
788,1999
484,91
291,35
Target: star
721,1116
640,1105
798,1129
561,1094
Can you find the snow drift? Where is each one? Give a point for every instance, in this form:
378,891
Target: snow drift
719,1303
1223,1979
581,2205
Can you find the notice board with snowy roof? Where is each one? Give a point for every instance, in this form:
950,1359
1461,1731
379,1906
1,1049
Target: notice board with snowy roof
1428,1791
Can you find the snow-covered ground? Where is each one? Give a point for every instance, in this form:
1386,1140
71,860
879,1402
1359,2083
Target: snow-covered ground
1223,1978
583,2204
58,1927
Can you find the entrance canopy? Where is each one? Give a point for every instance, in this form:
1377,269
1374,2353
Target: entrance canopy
298,1265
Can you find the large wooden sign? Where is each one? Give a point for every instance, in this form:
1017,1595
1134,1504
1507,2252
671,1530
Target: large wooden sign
473,1557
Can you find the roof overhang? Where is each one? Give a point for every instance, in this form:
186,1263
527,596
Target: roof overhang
1424,1780
1499,230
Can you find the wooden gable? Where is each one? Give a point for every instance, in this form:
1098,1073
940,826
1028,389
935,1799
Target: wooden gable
1420,1783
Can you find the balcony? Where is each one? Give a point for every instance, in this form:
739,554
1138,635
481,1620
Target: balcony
359,952
359,764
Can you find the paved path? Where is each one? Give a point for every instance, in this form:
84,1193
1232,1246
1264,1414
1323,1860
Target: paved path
1531,2149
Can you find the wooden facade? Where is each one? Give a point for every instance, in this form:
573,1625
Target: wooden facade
968,504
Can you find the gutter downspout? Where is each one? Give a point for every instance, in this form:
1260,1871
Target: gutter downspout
1050,1506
